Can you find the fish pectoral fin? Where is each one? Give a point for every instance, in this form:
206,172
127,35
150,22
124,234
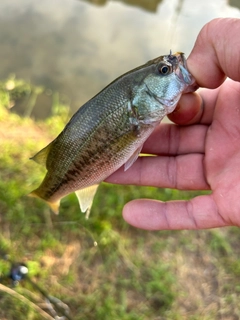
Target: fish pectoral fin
85,198
41,156
132,159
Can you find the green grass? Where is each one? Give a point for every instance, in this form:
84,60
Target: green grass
101,267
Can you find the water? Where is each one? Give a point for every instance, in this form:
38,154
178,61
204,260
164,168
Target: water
77,47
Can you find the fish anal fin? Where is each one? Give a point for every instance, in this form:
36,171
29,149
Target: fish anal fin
53,205
85,198
132,159
41,156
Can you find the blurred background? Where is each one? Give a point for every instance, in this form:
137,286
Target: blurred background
54,56
77,47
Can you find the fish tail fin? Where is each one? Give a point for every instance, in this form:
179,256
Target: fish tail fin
53,205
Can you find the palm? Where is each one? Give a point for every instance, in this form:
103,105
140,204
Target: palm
222,153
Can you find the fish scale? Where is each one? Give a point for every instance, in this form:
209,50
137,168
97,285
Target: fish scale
109,130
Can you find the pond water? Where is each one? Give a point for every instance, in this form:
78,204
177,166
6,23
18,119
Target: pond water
77,47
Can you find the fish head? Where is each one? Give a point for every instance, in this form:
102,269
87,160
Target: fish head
169,79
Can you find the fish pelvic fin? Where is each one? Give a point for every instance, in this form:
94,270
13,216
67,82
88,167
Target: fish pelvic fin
41,156
85,198
54,206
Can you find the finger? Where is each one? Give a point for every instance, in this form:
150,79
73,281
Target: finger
198,213
197,107
169,139
189,109
181,172
209,100
216,53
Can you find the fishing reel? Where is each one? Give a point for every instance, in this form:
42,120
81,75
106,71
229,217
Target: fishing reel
18,272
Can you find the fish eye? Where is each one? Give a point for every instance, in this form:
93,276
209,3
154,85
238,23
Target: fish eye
164,69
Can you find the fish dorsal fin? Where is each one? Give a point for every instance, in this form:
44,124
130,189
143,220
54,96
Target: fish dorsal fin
41,156
85,198
132,159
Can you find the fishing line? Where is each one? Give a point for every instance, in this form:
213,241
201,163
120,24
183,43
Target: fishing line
172,31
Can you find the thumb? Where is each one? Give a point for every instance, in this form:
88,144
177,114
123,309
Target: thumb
215,54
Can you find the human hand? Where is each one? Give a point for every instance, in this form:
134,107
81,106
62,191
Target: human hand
203,151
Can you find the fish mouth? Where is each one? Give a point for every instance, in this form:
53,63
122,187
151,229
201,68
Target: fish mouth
179,65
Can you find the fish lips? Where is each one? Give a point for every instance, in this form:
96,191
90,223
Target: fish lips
179,64
187,78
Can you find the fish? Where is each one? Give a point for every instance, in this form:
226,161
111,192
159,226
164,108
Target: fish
110,129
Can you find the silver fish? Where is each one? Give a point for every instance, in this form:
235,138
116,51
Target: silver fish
109,130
